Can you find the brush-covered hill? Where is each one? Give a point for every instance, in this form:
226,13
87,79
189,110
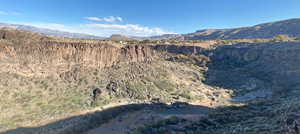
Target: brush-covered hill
289,27
55,85
45,79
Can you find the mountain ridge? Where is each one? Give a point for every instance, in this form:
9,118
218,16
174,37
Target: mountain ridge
288,27
49,32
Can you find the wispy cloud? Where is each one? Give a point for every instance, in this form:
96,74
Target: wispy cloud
129,29
9,13
93,18
105,29
110,19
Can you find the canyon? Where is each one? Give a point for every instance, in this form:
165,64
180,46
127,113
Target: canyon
184,87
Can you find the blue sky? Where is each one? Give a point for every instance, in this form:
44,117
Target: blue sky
145,17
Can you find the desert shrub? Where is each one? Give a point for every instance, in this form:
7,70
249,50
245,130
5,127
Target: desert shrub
282,37
158,127
165,85
186,95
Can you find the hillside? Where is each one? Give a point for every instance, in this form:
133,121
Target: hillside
66,72
55,85
121,37
267,30
48,31
263,75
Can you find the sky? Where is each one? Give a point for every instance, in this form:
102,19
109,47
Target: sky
145,17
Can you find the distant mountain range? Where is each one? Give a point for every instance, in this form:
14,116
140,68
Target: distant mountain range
168,37
122,37
49,31
289,27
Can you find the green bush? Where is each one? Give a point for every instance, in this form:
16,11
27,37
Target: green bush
282,37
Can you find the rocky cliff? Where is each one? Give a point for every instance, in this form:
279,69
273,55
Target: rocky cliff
54,77
265,80
43,54
259,70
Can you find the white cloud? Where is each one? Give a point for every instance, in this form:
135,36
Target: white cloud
119,19
93,18
61,27
104,30
126,29
99,29
110,19
52,26
129,29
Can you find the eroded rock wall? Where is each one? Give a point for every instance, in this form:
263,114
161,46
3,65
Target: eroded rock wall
52,56
276,63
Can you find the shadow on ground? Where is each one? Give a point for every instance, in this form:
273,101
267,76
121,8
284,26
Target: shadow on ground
82,123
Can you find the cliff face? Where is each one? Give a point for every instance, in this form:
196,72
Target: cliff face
42,55
97,55
185,50
244,66
80,53
238,66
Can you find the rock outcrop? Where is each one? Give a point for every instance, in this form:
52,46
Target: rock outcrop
256,65
97,55
34,54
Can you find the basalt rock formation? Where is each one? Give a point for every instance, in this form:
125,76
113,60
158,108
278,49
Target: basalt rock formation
275,63
42,50
100,55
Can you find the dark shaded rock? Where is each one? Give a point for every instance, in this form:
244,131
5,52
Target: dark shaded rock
293,124
96,93
247,66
